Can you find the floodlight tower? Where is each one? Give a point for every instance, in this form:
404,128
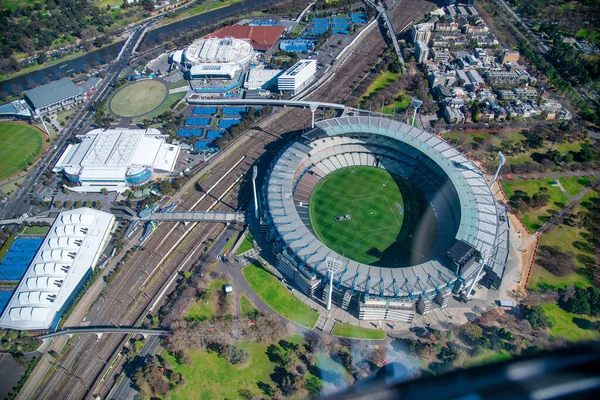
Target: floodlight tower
416,104
254,175
313,108
485,256
502,162
333,264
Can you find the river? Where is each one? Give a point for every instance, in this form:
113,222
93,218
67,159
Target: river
95,58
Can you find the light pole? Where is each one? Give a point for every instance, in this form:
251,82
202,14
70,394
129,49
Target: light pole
502,162
416,104
254,175
333,264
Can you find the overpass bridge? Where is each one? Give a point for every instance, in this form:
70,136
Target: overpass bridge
383,13
312,105
225,217
19,221
100,330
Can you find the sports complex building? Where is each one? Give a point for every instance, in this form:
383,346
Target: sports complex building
66,258
449,229
116,159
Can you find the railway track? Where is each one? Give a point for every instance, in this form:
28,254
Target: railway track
126,300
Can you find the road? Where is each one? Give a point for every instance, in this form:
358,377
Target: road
19,204
535,42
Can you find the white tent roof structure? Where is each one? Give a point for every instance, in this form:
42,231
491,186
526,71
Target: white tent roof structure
68,255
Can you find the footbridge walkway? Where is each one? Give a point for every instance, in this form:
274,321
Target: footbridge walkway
99,330
268,102
383,13
226,217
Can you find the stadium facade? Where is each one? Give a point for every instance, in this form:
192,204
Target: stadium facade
116,159
67,257
471,228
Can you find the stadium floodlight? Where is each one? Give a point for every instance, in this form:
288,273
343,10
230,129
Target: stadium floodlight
500,165
416,105
333,264
485,256
254,175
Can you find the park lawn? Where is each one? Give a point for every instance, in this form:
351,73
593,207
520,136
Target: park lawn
20,144
574,327
64,116
534,218
246,244
165,106
563,148
103,3
179,83
199,9
400,104
487,357
356,332
36,230
574,184
383,80
248,309
203,310
276,296
138,99
211,377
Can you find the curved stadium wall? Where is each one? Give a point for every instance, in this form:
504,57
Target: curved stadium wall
468,219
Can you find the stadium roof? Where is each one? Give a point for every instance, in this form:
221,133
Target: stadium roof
69,253
51,93
219,50
17,108
262,38
478,225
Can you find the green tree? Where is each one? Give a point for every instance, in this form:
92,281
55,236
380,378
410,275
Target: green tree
536,317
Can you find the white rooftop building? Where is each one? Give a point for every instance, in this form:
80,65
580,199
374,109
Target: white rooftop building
58,271
117,158
297,77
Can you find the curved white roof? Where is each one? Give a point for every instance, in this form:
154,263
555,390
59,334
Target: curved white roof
215,50
69,252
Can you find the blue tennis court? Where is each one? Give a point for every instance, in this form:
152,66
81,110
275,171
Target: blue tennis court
4,298
234,110
340,31
228,123
211,135
190,132
197,121
204,111
201,145
317,31
358,18
18,258
317,20
321,26
339,20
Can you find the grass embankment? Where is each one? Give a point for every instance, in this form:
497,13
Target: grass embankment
207,308
574,185
200,9
535,218
276,296
36,230
248,309
20,144
245,245
564,238
356,332
571,326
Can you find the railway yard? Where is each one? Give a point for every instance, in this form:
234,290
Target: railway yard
174,247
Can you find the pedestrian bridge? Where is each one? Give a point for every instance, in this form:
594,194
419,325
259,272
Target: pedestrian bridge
100,330
313,105
195,217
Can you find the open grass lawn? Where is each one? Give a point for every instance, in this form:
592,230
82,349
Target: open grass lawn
165,106
356,332
572,326
201,8
247,308
138,98
562,238
534,218
383,210
202,310
36,230
400,104
563,148
276,296
20,144
383,80
575,184
245,245
487,357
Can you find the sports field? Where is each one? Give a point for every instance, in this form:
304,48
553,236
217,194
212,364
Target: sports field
383,211
19,145
138,98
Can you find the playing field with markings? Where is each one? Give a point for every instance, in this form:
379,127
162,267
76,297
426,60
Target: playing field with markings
367,214
20,144
139,98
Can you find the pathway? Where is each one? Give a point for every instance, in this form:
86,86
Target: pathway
557,175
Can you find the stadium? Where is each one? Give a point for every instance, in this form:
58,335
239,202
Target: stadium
401,218
215,64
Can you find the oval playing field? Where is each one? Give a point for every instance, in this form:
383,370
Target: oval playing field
361,211
20,144
138,99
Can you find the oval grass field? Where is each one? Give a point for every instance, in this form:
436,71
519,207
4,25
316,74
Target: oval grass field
20,144
137,99
382,209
